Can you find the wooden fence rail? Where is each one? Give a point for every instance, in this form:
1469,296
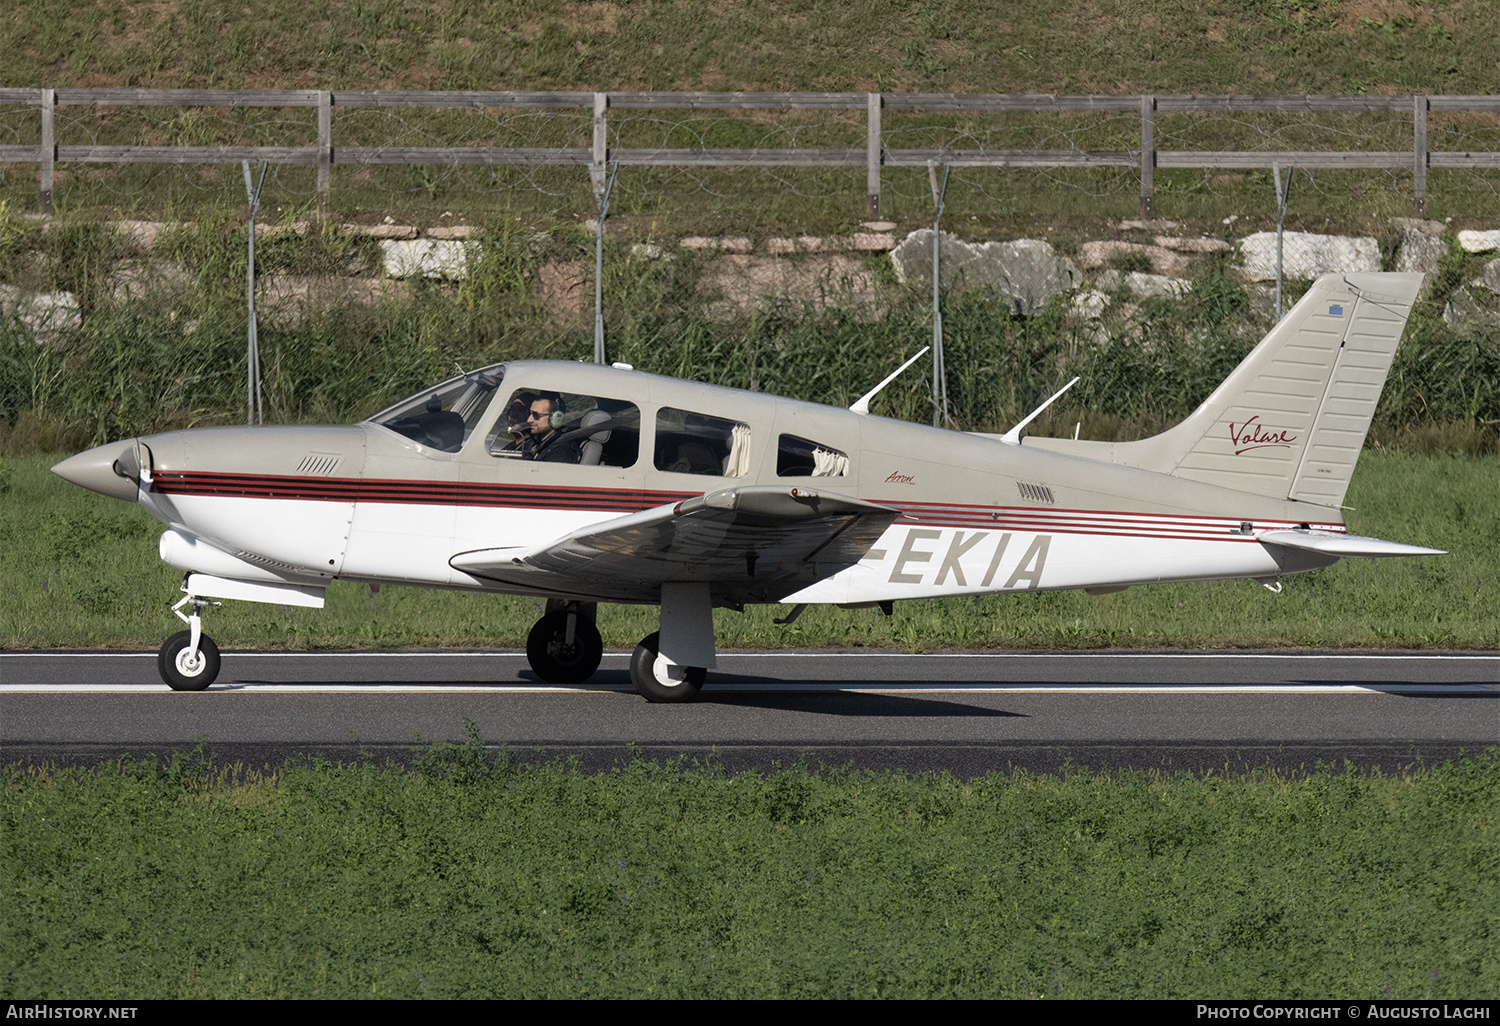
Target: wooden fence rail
873,156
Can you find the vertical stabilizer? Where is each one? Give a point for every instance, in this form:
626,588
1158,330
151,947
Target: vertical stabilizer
1290,420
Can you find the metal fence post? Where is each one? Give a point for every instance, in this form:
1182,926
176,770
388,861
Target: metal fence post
601,149
599,266
254,414
1419,152
49,148
872,156
1148,157
1282,195
939,368
325,150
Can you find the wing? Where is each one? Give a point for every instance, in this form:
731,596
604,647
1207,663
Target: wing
755,543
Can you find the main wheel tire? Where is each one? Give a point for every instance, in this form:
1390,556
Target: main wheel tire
182,673
653,688
557,662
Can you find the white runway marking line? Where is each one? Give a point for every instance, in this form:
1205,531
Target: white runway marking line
774,686
792,686
786,653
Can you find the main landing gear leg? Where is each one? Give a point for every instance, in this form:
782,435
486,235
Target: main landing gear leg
564,646
672,664
189,660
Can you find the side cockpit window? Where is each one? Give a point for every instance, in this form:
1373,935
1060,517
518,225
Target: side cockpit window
566,427
443,417
802,457
696,443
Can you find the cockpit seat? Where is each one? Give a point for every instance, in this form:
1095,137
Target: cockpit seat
593,443
445,430
695,457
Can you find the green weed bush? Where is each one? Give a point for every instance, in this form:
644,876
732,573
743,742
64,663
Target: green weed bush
173,355
467,876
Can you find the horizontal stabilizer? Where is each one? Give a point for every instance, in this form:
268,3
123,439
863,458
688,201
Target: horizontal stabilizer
1329,543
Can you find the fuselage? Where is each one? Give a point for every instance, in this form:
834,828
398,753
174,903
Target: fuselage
395,498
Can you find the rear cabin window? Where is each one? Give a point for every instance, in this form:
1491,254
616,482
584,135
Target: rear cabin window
802,457
567,427
696,443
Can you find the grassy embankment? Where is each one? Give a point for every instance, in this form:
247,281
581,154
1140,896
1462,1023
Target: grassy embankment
467,877
1295,47
81,571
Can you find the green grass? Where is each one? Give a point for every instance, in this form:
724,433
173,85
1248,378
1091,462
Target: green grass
1289,47
1281,46
81,570
466,876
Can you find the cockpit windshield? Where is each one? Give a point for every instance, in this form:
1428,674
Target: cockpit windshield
443,416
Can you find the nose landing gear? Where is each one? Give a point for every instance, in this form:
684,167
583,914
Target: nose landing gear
189,660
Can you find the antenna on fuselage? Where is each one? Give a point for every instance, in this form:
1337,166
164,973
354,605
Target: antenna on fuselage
1013,436
863,406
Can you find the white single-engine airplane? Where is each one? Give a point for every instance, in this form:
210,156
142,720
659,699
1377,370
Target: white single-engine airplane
583,484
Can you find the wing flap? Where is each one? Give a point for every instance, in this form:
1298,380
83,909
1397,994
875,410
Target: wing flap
755,543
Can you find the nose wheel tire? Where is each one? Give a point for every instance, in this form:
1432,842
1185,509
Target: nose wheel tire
178,667
657,689
556,661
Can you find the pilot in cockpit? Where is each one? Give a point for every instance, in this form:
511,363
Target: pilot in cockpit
546,442
517,424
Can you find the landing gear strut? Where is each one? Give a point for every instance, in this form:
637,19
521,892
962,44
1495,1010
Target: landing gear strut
564,646
659,681
672,664
189,660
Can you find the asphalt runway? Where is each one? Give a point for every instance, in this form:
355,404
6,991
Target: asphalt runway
963,713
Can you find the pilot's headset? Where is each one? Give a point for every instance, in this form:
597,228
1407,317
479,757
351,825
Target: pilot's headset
559,415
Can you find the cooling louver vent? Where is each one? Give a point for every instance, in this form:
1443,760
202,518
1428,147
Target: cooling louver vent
319,464
1035,493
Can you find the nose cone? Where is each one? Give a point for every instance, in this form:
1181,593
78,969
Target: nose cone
112,470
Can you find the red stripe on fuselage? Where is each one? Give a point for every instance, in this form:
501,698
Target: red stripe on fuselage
429,493
1045,520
